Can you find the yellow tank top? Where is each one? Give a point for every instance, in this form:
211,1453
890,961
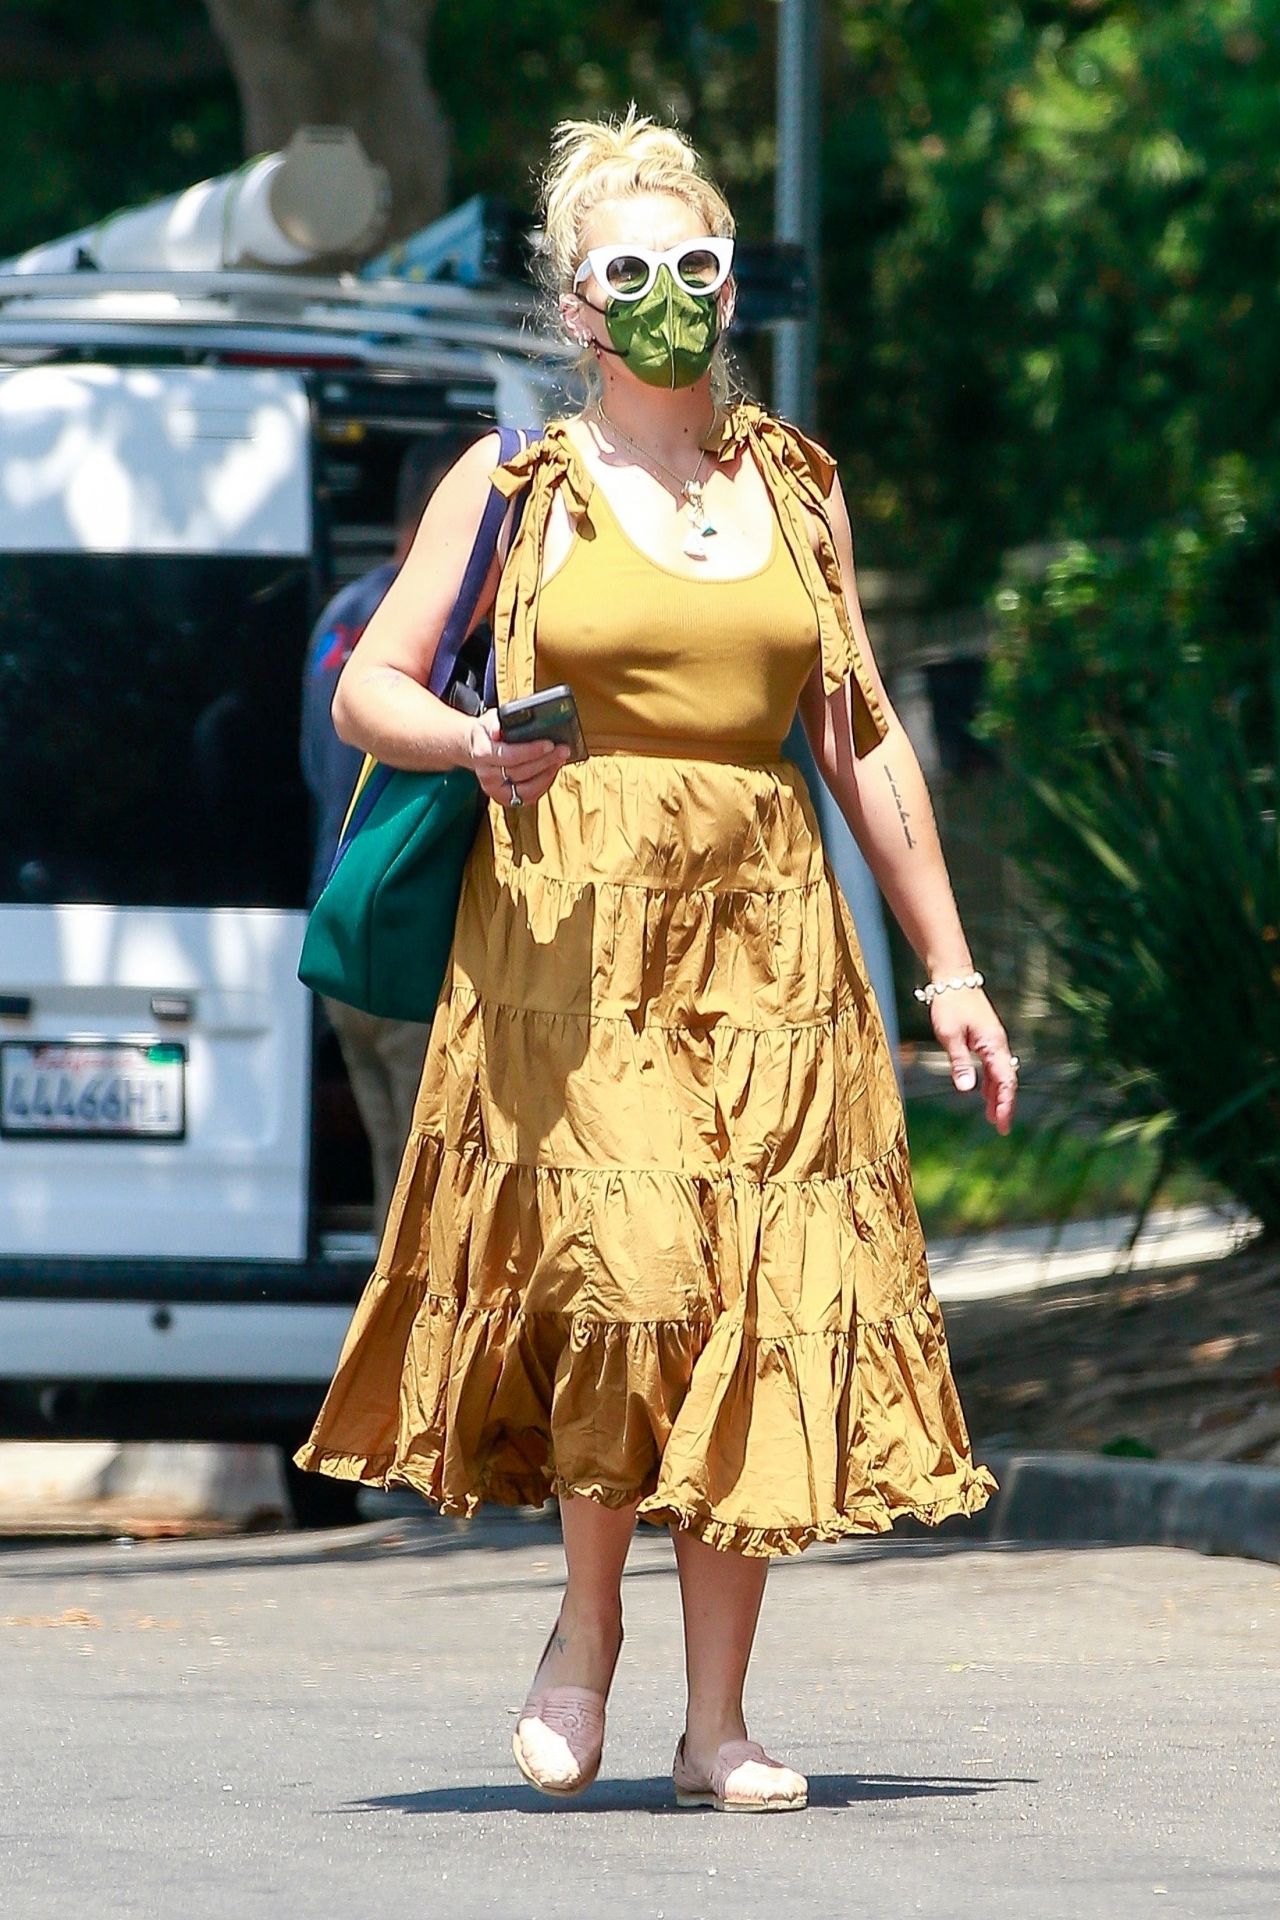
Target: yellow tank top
649,651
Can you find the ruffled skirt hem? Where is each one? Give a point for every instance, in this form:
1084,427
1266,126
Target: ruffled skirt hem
967,1492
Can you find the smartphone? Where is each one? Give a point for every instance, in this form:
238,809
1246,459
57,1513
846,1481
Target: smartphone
551,714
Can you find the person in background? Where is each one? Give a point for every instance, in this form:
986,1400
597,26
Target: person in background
383,1057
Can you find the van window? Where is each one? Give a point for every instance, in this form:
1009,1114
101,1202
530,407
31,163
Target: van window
149,711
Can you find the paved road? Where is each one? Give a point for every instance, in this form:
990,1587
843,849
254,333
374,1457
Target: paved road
310,1725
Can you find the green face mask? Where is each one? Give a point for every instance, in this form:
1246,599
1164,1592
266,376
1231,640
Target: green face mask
668,336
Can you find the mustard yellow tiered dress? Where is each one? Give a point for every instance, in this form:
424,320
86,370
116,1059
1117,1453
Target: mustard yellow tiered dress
654,1236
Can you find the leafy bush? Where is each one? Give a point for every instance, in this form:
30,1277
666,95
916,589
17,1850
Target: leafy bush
1049,1169
1137,697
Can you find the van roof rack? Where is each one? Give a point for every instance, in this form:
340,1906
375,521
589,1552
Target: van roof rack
386,322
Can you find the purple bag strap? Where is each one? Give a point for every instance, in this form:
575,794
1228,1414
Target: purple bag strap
512,440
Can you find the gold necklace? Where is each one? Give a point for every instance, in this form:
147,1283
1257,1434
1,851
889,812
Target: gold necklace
690,490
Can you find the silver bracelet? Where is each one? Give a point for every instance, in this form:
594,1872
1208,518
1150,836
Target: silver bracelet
935,987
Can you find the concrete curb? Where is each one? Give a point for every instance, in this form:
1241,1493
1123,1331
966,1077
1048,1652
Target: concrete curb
1085,1498
146,1488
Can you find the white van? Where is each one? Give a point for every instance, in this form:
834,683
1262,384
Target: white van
185,476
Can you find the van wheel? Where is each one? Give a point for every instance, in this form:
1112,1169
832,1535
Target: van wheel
317,1499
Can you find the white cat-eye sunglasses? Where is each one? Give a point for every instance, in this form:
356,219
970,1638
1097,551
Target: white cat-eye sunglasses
699,266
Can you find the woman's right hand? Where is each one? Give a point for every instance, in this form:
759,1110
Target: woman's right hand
498,764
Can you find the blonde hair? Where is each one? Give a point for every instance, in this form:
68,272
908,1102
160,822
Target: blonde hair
594,161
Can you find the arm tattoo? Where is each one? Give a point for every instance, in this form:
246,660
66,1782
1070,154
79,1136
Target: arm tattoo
903,815
389,678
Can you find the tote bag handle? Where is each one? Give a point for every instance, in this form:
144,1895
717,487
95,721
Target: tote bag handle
512,440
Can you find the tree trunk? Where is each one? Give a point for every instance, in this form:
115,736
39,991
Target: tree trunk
350,63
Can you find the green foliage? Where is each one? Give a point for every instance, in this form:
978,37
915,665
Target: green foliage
1065,273
1167,927
1098,641
969,1179
1136,694
708,63
106,108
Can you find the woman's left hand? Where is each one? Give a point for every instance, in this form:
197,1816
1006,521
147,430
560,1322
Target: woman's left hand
966,1023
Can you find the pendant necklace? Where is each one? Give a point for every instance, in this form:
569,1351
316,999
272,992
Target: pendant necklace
701,528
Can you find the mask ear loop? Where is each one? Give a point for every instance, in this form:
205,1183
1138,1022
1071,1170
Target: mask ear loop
589,340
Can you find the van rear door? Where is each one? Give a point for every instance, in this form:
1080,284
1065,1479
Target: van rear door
155,595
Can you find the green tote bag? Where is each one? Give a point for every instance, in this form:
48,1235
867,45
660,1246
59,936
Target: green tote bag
380,934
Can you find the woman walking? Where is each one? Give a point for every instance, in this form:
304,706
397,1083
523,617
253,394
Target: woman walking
653,1248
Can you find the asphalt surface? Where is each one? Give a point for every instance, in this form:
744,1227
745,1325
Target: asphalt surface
319,1725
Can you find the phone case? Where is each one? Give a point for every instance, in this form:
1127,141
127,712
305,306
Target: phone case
551,714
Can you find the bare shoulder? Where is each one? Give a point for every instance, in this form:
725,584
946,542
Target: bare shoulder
462,490
838,509
448,524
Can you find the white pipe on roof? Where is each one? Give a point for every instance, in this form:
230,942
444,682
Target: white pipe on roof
321,198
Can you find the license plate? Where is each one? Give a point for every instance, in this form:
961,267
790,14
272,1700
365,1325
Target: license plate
92,1089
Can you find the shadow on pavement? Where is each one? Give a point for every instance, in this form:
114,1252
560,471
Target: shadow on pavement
425,1536
427,1539
654,1795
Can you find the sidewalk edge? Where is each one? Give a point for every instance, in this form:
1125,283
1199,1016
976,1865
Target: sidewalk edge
1087,1499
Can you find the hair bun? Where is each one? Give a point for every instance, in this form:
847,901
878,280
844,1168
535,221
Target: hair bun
579,145
597,160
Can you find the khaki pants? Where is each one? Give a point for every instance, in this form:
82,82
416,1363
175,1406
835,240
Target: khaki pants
384,1062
